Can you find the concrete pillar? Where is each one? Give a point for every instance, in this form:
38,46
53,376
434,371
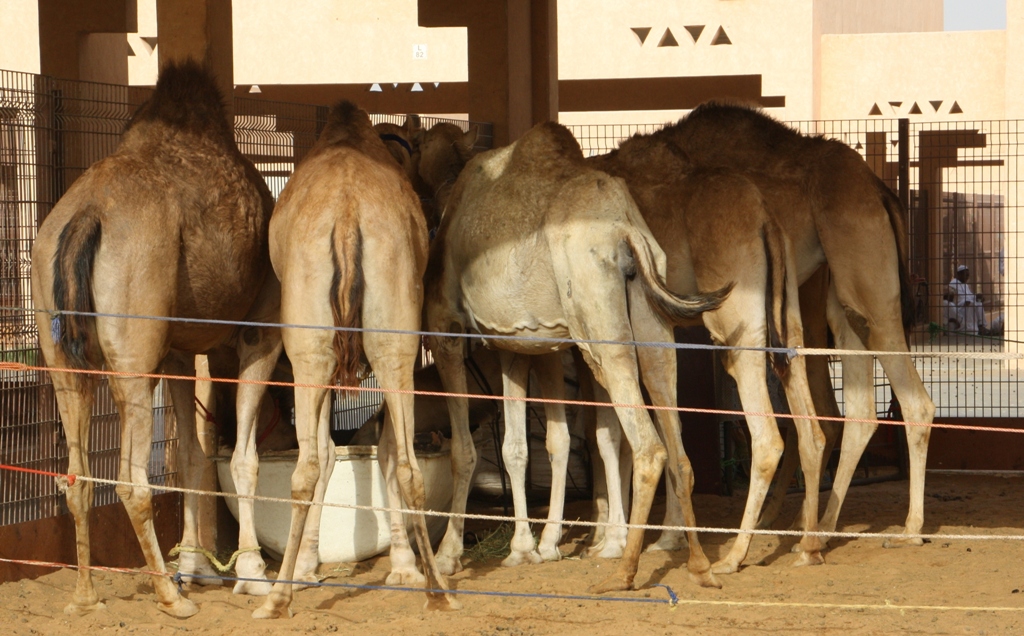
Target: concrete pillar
1011,261
513,65
63,27
200,29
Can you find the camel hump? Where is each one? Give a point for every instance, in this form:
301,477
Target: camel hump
72,285
547,143
186,97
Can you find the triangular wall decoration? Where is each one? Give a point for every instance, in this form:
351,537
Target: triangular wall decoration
955,109
150,42
895,105
416,88
915,109
720,37
936,104
376,89
131,51
641,33
668,39
695,32
875,110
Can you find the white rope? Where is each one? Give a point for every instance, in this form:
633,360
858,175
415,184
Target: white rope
567,522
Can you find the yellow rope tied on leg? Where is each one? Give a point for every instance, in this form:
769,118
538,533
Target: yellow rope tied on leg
221,567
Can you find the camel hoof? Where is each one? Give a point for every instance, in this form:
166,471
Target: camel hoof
902,542
305,580
607,551
273,609
442,602
725,566
81,609
704,578
519,558
405,577
195,569
614,583
669,542
550,553
253,588
448,565
181,608
809,558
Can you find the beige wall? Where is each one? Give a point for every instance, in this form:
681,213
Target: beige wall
19,36
769,37
142,66
879,16
859,71
330,41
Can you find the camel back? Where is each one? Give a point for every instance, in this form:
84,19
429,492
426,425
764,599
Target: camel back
732,135
350,126
186,98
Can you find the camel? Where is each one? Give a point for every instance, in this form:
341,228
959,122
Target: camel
714,228
400,142
833,210
535,243
348,242
172,224
443,150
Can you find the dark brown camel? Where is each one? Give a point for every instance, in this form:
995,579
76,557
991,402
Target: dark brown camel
714,228
173,224
348,242
834,211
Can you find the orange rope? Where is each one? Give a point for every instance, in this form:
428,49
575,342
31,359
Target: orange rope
18,366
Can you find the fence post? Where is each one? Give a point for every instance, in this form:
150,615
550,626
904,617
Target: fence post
903,137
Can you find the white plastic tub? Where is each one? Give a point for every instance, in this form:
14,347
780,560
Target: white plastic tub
346,535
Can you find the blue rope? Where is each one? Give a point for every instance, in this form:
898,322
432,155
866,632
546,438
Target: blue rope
789,351
673,599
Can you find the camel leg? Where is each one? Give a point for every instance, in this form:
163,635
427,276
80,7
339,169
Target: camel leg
658,368
314,368
859,397
194,567
748,369
309,546
618,465
393,358
551,378
448,352
515,375
598,482
134,398
74,394
403,559
258,352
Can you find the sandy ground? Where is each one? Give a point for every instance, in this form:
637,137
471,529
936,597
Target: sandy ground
953,579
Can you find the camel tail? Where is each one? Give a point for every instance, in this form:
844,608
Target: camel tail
72,285
674,308
897,219
347,303
775,297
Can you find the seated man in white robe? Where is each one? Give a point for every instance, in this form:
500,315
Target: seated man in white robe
970,313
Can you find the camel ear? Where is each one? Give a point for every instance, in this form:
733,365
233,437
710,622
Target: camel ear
469,137
412,125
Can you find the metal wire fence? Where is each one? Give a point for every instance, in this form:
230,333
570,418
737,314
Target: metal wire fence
51,131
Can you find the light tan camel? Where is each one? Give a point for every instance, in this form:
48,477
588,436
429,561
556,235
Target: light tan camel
173,224
714,228
349,244
534,243
833,210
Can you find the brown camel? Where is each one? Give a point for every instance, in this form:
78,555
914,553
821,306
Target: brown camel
834,210
535,243
401,143
349,243
714,228
443,150
173,224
